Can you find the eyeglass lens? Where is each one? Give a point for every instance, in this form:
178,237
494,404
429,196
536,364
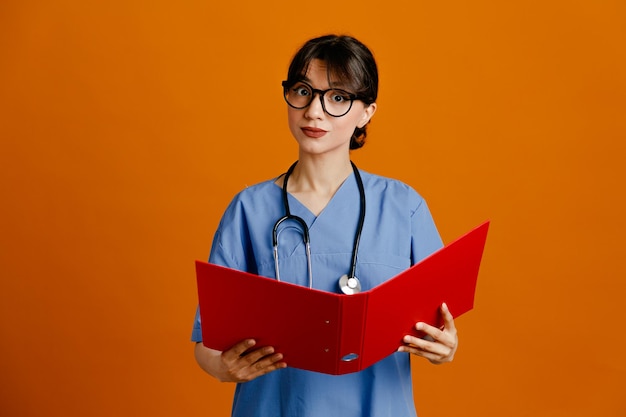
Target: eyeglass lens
335,102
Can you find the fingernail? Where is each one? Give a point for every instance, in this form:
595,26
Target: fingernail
419,326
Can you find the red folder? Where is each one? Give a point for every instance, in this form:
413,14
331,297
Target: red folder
335,333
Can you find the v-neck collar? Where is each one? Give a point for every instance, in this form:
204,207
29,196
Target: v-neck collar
303,211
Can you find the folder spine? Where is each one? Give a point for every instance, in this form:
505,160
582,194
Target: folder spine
353,309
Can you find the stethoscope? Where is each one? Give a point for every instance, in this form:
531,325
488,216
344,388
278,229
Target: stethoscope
349,284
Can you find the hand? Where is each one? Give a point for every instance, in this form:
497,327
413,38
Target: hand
439,345
240,363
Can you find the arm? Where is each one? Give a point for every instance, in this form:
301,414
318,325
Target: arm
232,247
437,345
239,363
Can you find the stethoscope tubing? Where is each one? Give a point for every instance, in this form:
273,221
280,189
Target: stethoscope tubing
307,244
305,231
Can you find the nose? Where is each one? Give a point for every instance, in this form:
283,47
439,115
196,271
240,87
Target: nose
316,108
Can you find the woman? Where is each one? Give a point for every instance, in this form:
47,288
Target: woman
331,91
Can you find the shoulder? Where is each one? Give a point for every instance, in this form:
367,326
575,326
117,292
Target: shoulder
245,225
392,190
254,198
254,193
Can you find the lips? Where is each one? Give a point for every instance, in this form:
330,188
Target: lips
313,132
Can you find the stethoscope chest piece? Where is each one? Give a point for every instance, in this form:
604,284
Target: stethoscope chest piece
349,285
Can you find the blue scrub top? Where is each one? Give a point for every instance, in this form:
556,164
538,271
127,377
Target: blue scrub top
398,232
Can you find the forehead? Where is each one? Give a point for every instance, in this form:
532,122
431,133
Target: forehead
319,74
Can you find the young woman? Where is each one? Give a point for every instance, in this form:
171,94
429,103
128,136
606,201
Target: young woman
351,215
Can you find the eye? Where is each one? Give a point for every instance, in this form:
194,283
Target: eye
302,90
338,96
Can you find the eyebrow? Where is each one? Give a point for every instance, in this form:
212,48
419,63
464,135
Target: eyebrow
331,84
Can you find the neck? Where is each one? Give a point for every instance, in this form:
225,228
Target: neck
320,175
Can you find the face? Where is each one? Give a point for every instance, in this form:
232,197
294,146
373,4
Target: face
318,133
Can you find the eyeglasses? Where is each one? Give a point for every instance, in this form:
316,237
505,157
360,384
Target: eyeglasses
335,102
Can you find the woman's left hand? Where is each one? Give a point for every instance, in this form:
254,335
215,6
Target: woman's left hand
439,345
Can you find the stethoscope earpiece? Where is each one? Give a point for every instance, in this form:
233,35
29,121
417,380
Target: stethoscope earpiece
349,284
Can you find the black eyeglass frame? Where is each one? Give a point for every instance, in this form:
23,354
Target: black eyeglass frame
321,93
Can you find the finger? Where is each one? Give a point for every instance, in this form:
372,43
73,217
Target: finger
432,357
413,350
237,350
257,355
448,319
264,366
432,332
425,347
436,353
268,364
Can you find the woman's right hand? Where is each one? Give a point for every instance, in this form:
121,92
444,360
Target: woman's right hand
240,363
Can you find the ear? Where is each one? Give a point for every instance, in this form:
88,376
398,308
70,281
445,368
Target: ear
368,112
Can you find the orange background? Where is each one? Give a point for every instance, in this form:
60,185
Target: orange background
124,135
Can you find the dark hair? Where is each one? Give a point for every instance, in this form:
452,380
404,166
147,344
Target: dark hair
346,59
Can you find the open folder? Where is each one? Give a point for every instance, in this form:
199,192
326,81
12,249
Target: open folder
336,333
